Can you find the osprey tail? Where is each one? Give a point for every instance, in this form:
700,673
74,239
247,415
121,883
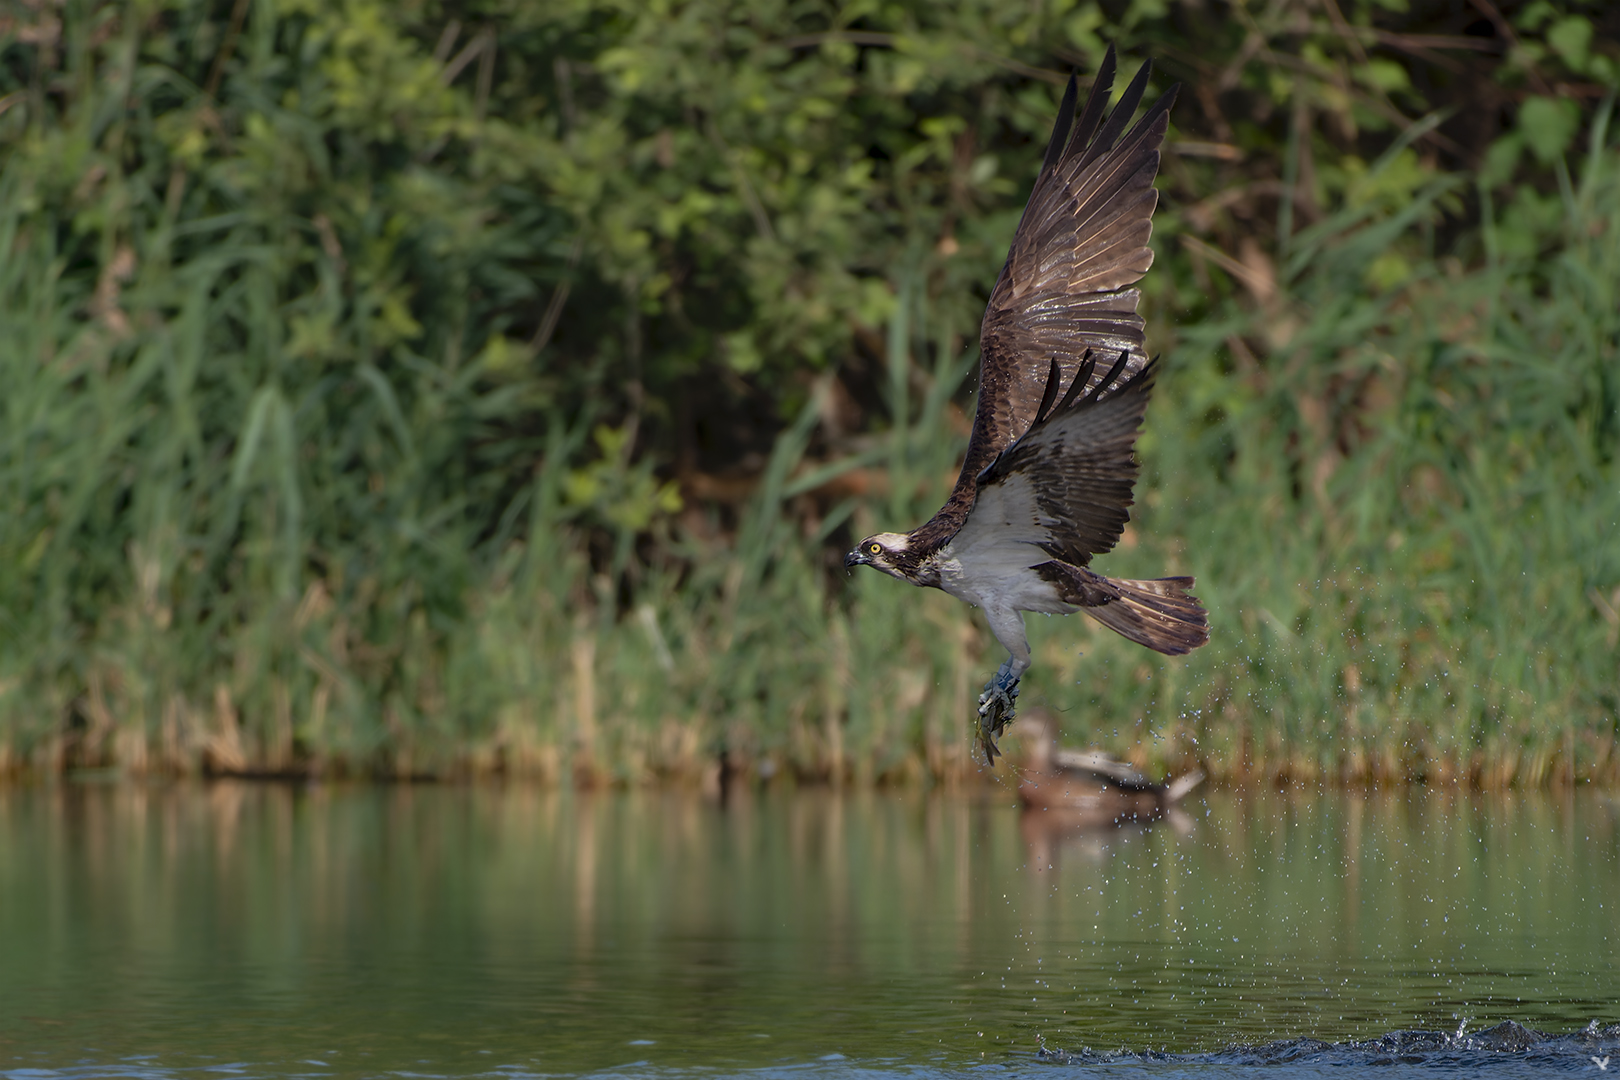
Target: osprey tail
1159,613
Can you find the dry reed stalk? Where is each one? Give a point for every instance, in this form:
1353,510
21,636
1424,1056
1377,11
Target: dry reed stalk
587,769
222,749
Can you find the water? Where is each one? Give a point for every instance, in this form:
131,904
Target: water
262,930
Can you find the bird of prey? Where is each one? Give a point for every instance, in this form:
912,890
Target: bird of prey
1063,385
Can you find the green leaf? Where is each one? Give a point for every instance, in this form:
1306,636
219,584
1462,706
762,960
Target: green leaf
1385,75
742,353
1535,14
1501,159
1548,126
1388,270
1571,39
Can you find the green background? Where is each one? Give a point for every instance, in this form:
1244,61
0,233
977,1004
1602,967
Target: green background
411,388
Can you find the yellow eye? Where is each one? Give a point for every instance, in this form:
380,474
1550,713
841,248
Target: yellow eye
874,549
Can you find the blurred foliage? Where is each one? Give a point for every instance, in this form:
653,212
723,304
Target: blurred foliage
410,386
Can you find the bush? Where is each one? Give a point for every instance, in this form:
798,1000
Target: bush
404,388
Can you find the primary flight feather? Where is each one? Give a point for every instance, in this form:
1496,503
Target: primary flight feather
1063,386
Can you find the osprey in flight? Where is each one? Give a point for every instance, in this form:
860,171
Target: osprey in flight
1063,385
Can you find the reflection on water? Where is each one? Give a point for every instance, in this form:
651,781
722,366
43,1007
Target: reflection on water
446,929
1052,835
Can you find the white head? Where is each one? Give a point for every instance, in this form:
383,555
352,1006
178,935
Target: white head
887,552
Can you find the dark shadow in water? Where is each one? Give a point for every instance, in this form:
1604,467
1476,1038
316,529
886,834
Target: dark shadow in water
1507,1048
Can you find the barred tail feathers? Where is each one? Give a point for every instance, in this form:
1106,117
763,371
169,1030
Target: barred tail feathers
1160,613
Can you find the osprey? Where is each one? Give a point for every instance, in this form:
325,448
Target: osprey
1063,385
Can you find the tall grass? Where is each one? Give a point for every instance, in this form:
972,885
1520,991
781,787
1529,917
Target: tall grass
290,486
1417,544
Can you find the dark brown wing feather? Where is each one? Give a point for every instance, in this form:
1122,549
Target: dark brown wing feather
1079,468
1082,240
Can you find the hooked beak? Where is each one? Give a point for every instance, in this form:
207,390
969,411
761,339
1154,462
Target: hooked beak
854,558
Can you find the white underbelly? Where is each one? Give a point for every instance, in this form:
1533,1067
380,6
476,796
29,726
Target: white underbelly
1002,582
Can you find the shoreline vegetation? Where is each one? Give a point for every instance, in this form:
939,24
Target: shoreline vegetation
445,389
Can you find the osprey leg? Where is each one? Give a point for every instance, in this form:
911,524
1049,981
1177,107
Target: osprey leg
1001,692
996,704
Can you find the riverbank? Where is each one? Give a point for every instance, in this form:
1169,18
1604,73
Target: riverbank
364,422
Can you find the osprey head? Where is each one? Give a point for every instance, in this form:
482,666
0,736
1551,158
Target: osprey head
886,551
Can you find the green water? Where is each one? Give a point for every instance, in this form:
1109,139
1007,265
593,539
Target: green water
450,930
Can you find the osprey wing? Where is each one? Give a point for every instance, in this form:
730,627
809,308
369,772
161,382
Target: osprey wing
1065,487
1082,240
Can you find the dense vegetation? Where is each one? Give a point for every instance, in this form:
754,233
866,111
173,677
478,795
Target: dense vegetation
418,387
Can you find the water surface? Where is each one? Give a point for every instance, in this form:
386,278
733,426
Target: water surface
444,930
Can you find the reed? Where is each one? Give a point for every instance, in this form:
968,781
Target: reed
311,466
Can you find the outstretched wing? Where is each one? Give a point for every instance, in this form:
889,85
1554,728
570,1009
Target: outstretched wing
1065,487
1083,239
